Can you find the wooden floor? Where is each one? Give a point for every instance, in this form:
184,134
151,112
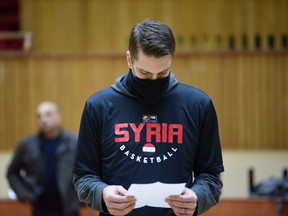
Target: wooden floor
226,207
15,208
246,207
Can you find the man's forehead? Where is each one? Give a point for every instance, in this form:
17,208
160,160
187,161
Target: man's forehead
152,64
47,107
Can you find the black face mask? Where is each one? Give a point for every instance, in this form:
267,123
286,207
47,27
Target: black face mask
149,91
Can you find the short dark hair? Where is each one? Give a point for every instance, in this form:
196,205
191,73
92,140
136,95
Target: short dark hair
153,38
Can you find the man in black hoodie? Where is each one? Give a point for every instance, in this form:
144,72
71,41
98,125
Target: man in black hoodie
149,128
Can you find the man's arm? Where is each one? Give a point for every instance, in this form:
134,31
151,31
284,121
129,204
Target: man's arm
208,190
14,177
87,167
208,163
90,189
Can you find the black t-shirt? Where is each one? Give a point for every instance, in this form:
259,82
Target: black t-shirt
50,200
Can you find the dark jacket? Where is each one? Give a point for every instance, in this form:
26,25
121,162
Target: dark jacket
26,172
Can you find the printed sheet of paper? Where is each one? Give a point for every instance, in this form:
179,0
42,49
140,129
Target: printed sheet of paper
154,194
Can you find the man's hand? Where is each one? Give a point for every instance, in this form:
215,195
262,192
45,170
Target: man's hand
184,204
116,200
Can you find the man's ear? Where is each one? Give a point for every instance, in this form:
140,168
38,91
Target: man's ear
129,60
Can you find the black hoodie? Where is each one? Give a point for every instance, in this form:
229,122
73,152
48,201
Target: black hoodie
123,141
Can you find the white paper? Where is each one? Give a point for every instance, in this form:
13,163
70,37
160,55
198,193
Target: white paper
154,194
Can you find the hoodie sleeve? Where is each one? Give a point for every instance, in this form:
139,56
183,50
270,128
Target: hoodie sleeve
89,189
87,167
208,190
208,164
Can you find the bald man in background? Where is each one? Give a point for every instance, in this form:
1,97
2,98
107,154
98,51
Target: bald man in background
40,171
